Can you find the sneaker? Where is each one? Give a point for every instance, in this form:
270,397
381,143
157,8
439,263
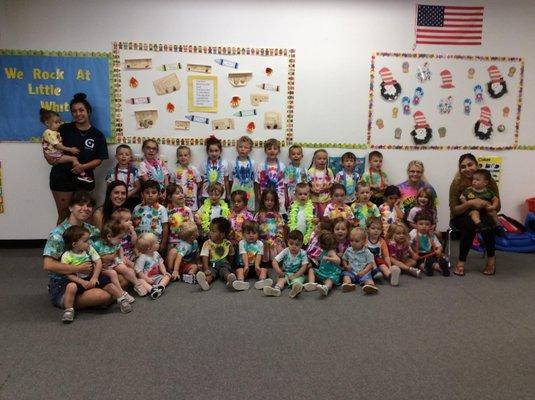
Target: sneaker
369,289
428,269
394,275
155,292
415,272
263,283
271,291
378,276
240,285
348,287
140,290
295,290
68,316
230,279
85,178
310,286
444,268
324,290
129,297
187,278
124,305
201,279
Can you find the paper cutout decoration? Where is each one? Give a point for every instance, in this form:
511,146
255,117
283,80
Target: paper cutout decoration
471,73
483,127
406,102
170,108
505,112
268,86
138,100
424,73
380,124
167,84
257,98
501,128
405,67
418,94
133,82
223,124
251,127
390,88
497,86
235,101
272,120
445,105
169,67
478,93
182,125
269,71
205,69
422,132
146,119
245,113
395,111
226,63
138,63
467,106
511,72
240,79
397,133
447,79
198,119
442,132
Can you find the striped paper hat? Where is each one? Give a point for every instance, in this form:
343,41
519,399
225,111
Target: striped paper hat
386,75
447,79
419,120
495,75
484,118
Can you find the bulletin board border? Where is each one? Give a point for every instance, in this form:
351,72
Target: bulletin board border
515,146
200,49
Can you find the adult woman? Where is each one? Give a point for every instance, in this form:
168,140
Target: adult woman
64,179
409,188
461,220
80,207
116,194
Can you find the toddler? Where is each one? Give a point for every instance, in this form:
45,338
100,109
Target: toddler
128,241
401,253
376,177
427,246
151,167
379,248
337,208
149,265
348,176
250,251
212,207
313,248
425,201
178,213
270,174
215,170
294,173
341,229
126,172
328,272
321,179
390,210
238,216
187,176
271,225
183,257
243,171
363,208
301,214
358,264
294,265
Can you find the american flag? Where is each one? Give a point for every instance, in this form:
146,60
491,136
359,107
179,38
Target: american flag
449,25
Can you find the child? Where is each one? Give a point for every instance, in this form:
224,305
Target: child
480,190
328,273
124,171
149,266
150,215
79,251
358,264
321,179
52,145
215,170
337,208
379,248
425,201
187,176
390,210
313,248
375,177
151,167
270,174
341,229
294,265
401,253
238,216
363,207
243,171
427,246
294,173
348,176
183,257
111,254
250,251
270,222
178,213
301,214
212,207
216,254
128,241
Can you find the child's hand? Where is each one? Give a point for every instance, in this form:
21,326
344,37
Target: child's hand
92,283
85,268
291,277
150,281
360,274
280,273
175,276
74,150
77,169
85,285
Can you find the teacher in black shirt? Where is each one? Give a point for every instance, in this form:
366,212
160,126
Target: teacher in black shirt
64,179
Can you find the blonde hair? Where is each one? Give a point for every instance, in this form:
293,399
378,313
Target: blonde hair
145,241
394,227
244,139
358,230
419,164
187,230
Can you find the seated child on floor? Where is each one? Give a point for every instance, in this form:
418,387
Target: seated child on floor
329,269
212,207
128,241
149,265
250,251
427,246
399,247
183,256
302,214
379,248
390,210
358,264
363,207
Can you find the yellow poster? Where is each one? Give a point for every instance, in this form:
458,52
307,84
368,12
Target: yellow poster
493,164
202,93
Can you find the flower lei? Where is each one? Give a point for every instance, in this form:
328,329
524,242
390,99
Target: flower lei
207,213
309,216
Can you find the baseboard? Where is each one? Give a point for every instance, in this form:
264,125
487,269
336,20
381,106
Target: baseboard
21,244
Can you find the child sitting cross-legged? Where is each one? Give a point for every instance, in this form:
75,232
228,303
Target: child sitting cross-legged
401,253
358,264
149,265
294,265
250,251
184,255
329,269
379,248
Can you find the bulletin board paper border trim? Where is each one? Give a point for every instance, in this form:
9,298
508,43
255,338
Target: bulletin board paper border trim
219,50
515,146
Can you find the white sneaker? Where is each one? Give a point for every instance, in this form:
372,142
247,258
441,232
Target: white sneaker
129,297
394,275
348,287
310,286
324,290
295,290
68,316
85,178
240,285
369,289
201,279
187,278
416,272
271,291
155,292
230,279
263,283
124,305
140,290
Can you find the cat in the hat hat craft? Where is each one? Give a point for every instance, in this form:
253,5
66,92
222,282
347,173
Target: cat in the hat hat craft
390,88
497,86
422,132
483,127
447,79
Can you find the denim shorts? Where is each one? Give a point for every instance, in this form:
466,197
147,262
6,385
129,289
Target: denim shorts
358,280
57,287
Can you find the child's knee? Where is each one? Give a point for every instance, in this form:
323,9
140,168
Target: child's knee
71,288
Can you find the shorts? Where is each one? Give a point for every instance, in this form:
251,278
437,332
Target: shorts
358,280
220,269
379,261
299,279
103,281
63,180
57,287
186,267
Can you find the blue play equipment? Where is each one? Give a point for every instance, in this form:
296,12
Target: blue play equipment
520,241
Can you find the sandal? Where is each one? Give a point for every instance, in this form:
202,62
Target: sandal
458,270
490,269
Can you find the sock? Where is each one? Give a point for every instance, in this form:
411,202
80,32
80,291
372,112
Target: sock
277,287
69,309
119,299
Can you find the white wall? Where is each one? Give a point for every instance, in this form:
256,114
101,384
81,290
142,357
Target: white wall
334,41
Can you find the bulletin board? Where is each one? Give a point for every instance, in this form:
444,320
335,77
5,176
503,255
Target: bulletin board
431,101
181,94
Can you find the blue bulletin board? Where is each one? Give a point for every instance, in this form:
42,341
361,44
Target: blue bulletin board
32,79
